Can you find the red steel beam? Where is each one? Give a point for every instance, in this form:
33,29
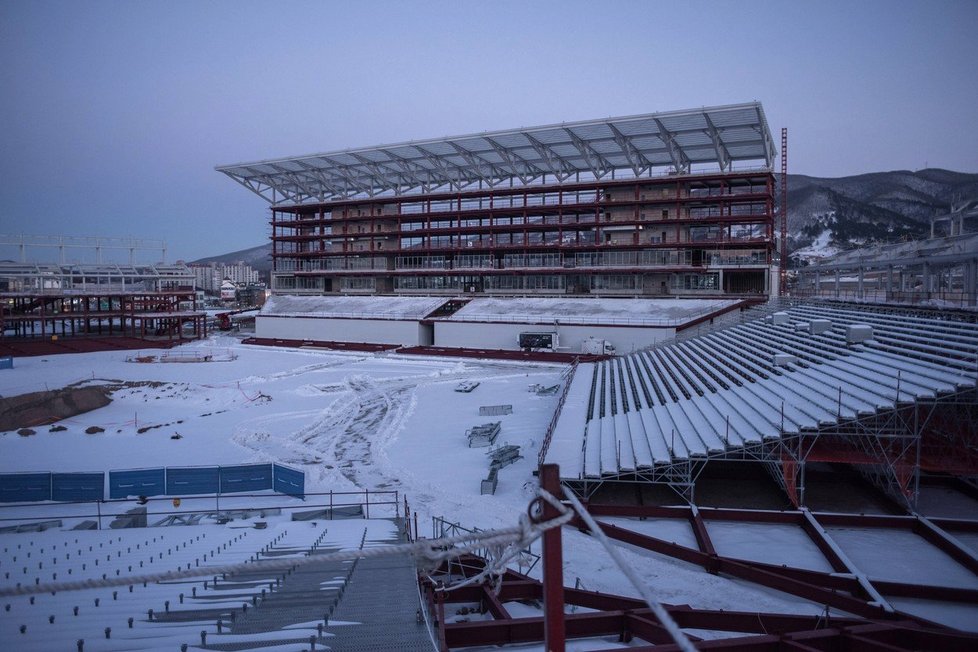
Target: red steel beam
493,605
937,537
526,630
926,591
783,271
767,578
647,628
748,622
851,585
790,632
703,539
790,517
829,552
553,564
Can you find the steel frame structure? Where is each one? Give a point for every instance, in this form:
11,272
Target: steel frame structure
95,244
130,314
56,278
593,149
890,448
873,625
645,233
944,268
640,205
873,622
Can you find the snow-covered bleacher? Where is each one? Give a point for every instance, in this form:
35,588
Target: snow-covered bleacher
774,376
249,609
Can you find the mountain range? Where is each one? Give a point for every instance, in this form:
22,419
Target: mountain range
824,214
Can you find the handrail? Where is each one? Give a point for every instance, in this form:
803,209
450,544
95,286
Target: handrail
568,379
105,508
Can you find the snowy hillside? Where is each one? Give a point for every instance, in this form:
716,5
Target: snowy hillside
868,208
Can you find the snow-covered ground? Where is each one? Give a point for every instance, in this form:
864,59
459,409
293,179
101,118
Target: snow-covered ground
355,421
819,250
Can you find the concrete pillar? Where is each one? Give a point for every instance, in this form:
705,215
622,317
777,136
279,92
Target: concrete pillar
818,282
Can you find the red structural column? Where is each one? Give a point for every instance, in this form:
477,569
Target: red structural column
553,566
783,272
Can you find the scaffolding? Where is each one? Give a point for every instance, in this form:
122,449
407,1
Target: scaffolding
162,315
899,406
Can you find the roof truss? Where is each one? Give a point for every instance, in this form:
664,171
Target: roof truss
637,145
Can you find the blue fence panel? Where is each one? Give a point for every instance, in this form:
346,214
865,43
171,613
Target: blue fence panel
145,482
25,487
246,477
288,481
192,480
77,486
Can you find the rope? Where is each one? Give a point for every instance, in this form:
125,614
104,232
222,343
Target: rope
430,550
660,612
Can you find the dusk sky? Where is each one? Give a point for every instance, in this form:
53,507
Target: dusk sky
114,114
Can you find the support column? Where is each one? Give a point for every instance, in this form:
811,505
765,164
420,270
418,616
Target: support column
969,281
553,566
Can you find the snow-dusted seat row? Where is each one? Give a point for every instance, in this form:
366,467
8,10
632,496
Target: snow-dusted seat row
755,381
181,609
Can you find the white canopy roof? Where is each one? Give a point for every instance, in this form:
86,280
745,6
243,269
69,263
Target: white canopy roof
635,145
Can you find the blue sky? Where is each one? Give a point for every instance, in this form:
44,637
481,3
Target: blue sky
114,114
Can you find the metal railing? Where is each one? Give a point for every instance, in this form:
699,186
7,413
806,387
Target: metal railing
441,528
334,504
942,298
568,379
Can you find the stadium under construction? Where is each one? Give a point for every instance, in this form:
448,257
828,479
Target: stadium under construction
648,206
456,246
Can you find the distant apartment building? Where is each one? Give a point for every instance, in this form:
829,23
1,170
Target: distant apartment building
210,276
664,204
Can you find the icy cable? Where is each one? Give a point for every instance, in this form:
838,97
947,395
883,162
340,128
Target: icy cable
677,634
431,550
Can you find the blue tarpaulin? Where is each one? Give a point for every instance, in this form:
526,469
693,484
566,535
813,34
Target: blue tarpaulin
25,487
176,481
145,482
77,486
192,480
288,481
248,477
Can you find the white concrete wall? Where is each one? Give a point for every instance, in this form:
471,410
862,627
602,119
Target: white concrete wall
375,331
451,334
505,336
